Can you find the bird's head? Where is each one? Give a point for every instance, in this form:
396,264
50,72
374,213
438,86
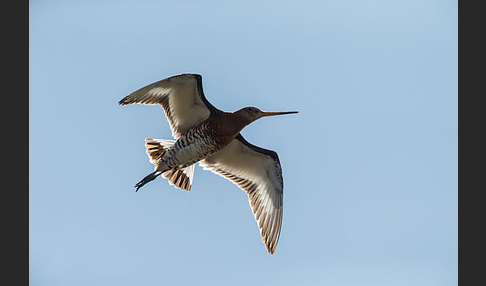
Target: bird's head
250,114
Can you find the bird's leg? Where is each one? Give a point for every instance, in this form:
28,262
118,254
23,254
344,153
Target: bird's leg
150,177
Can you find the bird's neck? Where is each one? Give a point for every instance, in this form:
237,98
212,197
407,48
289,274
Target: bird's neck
230,124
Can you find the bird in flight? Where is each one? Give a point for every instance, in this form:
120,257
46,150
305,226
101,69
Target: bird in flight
212,137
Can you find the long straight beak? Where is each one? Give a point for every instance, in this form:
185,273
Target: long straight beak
265,113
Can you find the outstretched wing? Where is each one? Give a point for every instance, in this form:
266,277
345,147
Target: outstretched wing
180,96
257,171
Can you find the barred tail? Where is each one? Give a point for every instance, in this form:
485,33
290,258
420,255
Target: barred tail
156,148
182,178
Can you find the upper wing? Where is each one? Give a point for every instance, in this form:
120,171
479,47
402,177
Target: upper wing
180,96
257,171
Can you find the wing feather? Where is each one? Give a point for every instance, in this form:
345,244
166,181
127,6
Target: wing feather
257,171
181,98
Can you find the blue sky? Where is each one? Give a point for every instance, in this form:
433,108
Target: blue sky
369,163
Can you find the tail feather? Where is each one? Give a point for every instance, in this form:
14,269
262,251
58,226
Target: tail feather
182,178
156,148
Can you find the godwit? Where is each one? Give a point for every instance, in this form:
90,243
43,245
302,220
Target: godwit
212,137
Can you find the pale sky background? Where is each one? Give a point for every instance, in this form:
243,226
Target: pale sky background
369,163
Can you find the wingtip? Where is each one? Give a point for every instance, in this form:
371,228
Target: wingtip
124,101
270,246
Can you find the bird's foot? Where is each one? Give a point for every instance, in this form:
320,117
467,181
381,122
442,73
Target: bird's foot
148,178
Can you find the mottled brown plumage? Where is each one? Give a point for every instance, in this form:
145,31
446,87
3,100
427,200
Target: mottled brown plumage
212,137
